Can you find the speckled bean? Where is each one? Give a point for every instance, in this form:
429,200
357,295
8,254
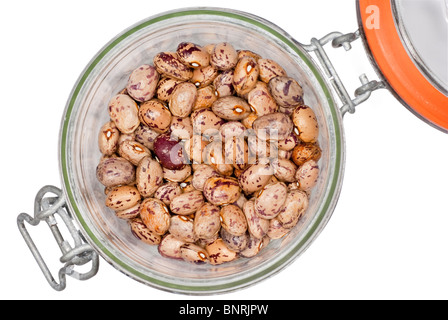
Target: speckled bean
284,170
273,126
236,152
307,175
193,253
224,56
295,205
182,99
260,100
233,220
133,151
155,215
201,174
130,213
270,200
167,192
181,128
254,246
270,69
231,108
176,175
149,176
206,97
306,125
115,171
289,143
142,83
255,177
123,111
193,55
213,155
286,91
276,230
306,151
204,77
219,253
233,242
206,221
166,87
205,120
223,84
168,64
169,247
187,203
122,198
245,75
155,115
108,138
182,227
257,227
220,190
140,231
232,129
145,136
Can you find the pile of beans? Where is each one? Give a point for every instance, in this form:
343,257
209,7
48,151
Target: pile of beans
209,153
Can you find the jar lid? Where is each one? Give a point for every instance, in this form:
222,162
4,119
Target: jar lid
408,43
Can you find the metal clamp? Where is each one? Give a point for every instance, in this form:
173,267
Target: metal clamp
343,40
45,209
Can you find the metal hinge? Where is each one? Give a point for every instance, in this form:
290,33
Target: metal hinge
45,209
337,40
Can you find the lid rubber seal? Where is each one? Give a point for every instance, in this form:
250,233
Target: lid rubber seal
397,67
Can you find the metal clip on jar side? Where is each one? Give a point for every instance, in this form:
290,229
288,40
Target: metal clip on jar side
45,208
337,40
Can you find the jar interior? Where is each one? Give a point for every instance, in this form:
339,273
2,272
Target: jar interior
107,74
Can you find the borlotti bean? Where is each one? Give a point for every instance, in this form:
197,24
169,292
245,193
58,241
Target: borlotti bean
133,151
108,138
142,84
182,228
219,253
193,55
131,213
123,111
205,98
206,221
170,247
167,192
209,153
122,198
155,115
155,215
139,229
148,176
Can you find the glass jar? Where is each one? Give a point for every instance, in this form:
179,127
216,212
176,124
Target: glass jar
86,112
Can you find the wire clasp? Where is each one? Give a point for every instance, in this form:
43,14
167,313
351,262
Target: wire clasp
338,40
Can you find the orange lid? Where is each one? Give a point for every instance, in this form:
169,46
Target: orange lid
397,67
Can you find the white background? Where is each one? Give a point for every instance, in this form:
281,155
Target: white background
387,239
